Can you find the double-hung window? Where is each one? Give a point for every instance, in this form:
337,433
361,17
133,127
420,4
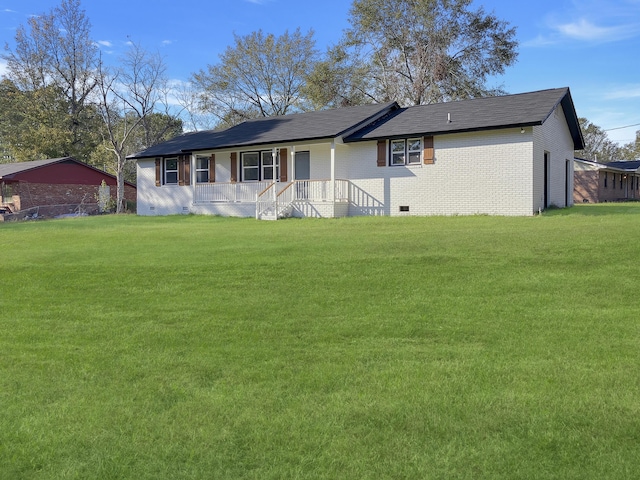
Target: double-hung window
202,169
258,166
406,151
268,166
171,171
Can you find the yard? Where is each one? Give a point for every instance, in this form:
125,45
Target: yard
191,347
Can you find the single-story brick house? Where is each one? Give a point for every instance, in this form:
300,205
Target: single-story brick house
54,186
506,155
596,182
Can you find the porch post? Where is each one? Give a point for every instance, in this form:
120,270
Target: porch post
293,163
276,180
332,191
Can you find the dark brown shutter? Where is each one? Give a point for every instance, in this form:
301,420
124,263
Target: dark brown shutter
187,169
429,157
181,170
212,168
283,164
158,172
382,153
234,167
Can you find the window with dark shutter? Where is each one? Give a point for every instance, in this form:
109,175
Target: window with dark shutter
382,153
428,154
234,167
181,170
283,164
187,169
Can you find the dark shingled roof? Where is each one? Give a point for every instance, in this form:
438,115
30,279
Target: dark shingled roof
383,121
488,113
629,165
622,165
287,128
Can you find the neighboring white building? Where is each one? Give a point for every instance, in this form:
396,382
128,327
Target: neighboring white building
507,155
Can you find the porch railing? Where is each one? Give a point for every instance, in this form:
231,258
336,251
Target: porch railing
282,193
228,192
314,191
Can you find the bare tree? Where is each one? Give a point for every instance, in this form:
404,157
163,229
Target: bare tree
130,99
189,97
55,51
260,76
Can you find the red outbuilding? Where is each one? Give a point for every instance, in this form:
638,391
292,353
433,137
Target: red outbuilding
54,187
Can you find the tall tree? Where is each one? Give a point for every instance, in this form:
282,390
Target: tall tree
55,52
261,75
417,52
131,97
33,123
597,145
631,150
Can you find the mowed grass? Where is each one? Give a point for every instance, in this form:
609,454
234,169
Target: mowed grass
362,348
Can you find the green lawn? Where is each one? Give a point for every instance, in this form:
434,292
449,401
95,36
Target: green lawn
365,348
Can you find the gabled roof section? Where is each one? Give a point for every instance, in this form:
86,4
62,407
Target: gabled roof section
487,113
8,169
287,128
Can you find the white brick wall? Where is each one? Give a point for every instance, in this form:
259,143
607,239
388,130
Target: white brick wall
165,200
473,173
553,136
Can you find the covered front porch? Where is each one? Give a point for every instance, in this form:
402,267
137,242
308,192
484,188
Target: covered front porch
270,200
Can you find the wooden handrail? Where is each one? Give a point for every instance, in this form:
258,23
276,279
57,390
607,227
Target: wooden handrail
266,189
286,188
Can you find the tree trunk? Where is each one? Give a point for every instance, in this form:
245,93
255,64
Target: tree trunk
120,200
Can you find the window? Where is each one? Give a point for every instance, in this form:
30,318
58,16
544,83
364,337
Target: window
7,193
250,167
171,171
267,166
406,152
258,166
202,170
605,179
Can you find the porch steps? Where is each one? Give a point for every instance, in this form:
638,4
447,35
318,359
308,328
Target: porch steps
282,212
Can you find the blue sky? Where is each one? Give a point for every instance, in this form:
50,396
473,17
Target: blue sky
592,46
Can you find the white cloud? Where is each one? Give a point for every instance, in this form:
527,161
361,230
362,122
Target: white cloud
7,10
583,29
3,68
540,41
624,92
589,21
105,43
167,42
